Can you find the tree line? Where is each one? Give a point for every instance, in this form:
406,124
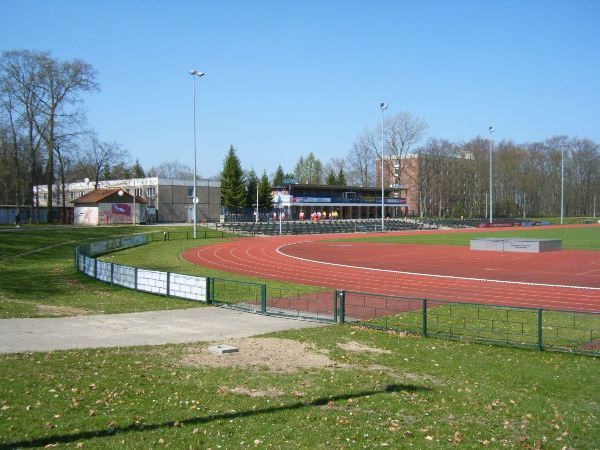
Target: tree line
451,179
44,139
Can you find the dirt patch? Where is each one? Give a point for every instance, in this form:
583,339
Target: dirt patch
62,310
74,283
270,393
274,354
354,346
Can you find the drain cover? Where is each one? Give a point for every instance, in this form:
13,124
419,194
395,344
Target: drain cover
220,349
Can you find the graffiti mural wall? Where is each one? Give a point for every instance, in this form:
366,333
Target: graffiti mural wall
114,213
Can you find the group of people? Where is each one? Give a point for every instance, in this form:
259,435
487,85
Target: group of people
316,216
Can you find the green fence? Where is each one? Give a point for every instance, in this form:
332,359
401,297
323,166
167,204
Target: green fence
184,235
247,296
541,329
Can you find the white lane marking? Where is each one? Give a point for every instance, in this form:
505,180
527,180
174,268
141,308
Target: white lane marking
430,275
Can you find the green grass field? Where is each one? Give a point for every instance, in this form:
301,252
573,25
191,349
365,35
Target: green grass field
379,390
39,278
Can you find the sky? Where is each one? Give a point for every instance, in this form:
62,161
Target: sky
284,78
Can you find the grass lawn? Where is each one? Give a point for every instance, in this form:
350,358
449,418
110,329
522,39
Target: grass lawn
378,390
39,278
584,238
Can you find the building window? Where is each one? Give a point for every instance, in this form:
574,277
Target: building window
81,193
150,192
138,192
71,195
45,196
190,192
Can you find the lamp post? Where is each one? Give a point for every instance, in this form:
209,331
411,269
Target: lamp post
134,195
562,184
257,202
491,130
383,107
195,73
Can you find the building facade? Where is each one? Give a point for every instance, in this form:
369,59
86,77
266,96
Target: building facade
348,202
403,173
168,200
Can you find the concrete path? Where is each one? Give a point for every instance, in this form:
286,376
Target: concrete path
145,328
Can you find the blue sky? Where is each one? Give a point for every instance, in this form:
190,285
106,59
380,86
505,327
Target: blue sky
287,77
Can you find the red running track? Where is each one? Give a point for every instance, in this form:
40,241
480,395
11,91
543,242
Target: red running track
568,280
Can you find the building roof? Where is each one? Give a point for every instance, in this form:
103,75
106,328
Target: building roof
100,194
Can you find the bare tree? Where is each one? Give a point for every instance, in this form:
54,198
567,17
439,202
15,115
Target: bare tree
99,158
21,89
171,169
361,160
61,84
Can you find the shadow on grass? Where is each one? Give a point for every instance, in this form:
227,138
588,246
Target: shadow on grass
67,438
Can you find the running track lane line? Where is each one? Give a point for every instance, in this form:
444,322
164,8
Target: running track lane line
525,300
451,277
264,266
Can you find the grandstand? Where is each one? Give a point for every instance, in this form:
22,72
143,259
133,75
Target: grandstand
321,227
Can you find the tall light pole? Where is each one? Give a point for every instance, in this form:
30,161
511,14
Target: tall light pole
383,107
195,73
491,130
562,184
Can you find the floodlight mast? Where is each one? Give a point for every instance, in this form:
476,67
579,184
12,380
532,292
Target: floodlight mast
491,130
195,73
383,106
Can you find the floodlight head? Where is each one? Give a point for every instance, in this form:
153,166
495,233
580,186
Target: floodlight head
492,129
197,73
383,106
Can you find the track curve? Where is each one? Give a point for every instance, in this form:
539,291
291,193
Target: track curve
521,281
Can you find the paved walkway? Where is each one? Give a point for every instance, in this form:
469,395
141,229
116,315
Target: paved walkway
145,328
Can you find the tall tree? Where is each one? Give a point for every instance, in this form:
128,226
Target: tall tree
279,176
265,197
308,170
233,188
100,157
251,186
61,83
137,171
341,177
331,178
20,80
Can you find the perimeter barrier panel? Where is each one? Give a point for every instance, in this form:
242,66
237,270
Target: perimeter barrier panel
314,304
534,328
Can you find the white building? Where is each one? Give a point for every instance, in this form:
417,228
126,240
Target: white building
167,199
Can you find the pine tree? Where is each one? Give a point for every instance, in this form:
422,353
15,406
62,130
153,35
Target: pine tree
331,178
233,188
341,178
251,184
137,170
265,198
279,176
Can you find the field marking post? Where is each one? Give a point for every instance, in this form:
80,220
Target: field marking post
424,318
263,298
208,291
342,311
540,345
335,305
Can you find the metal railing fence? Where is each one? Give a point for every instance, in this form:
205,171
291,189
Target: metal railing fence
535,328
